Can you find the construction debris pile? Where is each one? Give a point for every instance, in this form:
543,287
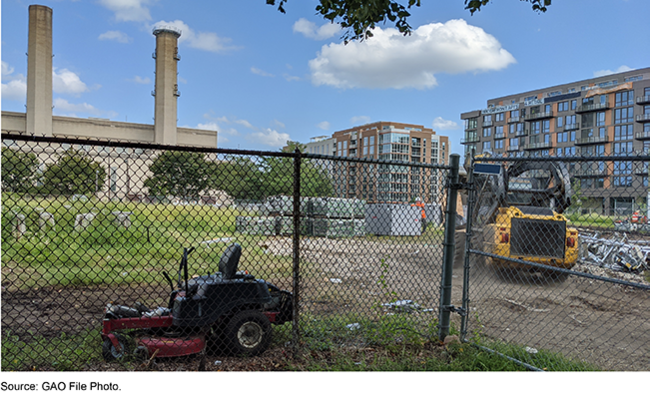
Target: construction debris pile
614,256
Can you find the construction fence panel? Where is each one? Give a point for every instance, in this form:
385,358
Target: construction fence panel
118,255
553,266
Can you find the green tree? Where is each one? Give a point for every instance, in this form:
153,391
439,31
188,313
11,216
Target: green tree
238,176
278,175
18,169
73,173
359,17
178,173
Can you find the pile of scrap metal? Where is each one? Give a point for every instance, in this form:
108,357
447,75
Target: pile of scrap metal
617,253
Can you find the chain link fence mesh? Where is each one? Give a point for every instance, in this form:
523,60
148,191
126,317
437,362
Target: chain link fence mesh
557,262
113,254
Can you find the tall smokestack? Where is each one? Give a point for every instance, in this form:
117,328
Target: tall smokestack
39,71
166,90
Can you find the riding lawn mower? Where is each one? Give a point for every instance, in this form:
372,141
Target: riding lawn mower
228,310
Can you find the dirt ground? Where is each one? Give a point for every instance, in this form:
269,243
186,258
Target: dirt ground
601,323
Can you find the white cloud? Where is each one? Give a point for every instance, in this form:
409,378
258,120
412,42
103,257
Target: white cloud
391,60
139,80
115,35
66,81
263,73
244,122
323,125
65,106
269,137
6,69
129,10
361,119
443,124
205,41
602,73
14,89
290,78
310,30
16,86
208,126
279,124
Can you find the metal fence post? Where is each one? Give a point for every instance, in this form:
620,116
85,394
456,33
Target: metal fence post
296,252
448,248
471,202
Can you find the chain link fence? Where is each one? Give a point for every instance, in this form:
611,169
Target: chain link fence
556,259
116,253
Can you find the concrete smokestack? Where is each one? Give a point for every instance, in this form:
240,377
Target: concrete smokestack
166,90
39,71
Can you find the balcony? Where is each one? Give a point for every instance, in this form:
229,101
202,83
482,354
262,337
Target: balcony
643,118
642,170
542,145
514,148
487,124
593,107
585,173
513,120
521,133
591,140
572,126
469,139
643,99
499,136
539,115
642,136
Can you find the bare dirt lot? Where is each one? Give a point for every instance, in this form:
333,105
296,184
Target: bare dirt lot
601,323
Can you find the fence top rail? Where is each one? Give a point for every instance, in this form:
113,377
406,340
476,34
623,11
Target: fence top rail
141,145
615,158
225,151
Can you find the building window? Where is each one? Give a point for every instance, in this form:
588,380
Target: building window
622,148
623,132
624,98
487,119
499,117
600,119
498,131
514,114
535,127
563,106
560,122
514,143
546,126
624,115
574,104
487,146
487,132
498,144
563,137
113,179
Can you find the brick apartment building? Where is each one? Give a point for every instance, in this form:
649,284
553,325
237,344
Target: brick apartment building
385,141
604,116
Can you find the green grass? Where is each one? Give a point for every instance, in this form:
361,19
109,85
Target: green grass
106,253
393,343
591,220
60,353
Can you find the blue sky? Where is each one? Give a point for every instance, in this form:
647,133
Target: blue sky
260,77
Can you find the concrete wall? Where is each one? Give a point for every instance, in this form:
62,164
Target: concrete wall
15,122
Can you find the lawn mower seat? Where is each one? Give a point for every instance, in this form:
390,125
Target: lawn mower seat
229,261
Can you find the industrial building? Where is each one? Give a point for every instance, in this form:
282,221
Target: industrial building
39,121
604,116
385,141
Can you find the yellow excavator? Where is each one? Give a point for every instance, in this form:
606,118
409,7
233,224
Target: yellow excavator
518,214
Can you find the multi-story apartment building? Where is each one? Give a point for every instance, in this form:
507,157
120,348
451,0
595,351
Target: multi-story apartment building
604,116
385,141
